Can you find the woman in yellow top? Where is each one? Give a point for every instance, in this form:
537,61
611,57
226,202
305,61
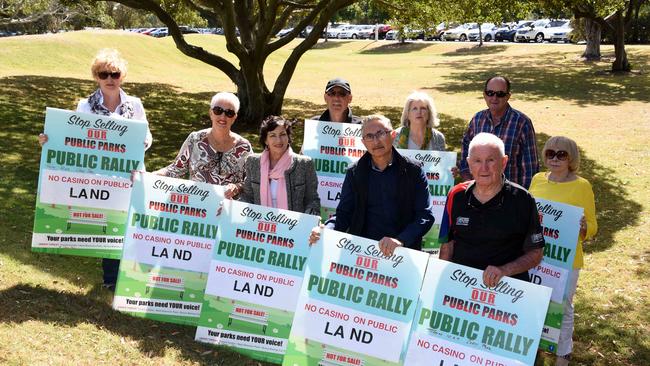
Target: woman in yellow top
562,184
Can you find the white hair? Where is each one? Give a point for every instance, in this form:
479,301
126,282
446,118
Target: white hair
487,139
419,96
225,97
376,117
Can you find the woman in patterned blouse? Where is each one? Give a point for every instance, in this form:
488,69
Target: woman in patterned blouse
214,155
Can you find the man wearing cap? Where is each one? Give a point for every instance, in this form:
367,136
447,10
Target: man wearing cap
338,96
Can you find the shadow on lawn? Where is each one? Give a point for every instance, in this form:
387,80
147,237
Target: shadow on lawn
23,303
582,83
173,115
476,50
397,47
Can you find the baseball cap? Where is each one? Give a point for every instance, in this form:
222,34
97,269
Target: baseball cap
338,82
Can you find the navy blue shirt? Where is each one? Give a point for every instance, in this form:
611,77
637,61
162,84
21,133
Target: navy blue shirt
382,203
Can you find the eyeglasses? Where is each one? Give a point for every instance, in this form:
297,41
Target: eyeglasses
228,112
103,75
334,93
499,94
377,135
560,154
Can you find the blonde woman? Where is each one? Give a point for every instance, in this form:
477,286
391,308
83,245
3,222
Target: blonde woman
419,119
109,71
561,183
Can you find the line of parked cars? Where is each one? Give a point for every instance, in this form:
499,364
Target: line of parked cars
522,31
164,32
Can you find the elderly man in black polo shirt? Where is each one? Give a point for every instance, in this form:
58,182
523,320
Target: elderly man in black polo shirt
490,223
338,96
385,196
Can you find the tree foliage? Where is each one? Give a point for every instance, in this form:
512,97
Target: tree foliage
249,28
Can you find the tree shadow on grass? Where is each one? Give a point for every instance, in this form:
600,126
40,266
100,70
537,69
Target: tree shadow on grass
322,45
626,338
563,78
395,48
24,303
476,50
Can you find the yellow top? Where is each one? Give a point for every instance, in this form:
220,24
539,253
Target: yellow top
576,193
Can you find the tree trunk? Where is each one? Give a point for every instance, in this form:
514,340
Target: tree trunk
620,63
480,36
256,102
592,36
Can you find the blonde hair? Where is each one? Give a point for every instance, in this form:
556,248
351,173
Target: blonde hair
108,59
566,144
419,96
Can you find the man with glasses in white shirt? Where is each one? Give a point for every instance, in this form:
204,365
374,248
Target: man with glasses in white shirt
397,210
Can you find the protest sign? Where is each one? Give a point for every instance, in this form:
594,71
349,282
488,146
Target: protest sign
561,227
333,147
356,306
437,167
460,321
255,275
84,187
170,235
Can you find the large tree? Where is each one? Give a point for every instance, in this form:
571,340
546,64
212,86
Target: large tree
249,27
614,16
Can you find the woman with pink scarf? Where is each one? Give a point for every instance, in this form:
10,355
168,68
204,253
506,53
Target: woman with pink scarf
278,177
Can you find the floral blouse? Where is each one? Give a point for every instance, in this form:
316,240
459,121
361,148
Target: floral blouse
207,165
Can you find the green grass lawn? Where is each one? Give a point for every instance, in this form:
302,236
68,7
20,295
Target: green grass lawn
53,309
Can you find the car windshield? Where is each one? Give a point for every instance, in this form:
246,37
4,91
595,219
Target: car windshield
540,23
558,23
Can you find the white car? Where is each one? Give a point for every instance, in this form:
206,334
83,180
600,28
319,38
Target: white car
354,31
392,34
283,32
539,30
333,32
487,29
560,33
459,33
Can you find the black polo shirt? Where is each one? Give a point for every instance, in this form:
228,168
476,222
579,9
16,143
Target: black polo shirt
492,233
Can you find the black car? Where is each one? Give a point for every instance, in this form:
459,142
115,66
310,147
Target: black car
509,35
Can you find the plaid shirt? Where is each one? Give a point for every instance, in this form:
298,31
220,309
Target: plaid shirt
518,135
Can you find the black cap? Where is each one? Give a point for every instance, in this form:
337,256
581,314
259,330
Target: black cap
338,82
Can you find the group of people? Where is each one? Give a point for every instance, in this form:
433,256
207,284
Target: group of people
490,220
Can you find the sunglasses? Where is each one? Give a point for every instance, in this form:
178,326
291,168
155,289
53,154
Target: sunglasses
377,135
103,75
560,154
334,93
228,112
499,94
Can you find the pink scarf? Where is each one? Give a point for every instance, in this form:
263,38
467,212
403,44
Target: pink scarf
266,174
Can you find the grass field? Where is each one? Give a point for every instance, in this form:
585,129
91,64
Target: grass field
53,309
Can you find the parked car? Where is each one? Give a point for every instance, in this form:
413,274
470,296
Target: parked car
353,31
283,32
392,35
160,32
334,30
186,29
487,30
459,33
560,33
538,31
510,33
345,31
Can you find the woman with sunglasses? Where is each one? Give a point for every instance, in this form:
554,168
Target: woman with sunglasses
277,177
419,119
214,155
109,71
562,184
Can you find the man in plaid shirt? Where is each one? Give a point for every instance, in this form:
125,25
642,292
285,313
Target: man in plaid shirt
513,127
